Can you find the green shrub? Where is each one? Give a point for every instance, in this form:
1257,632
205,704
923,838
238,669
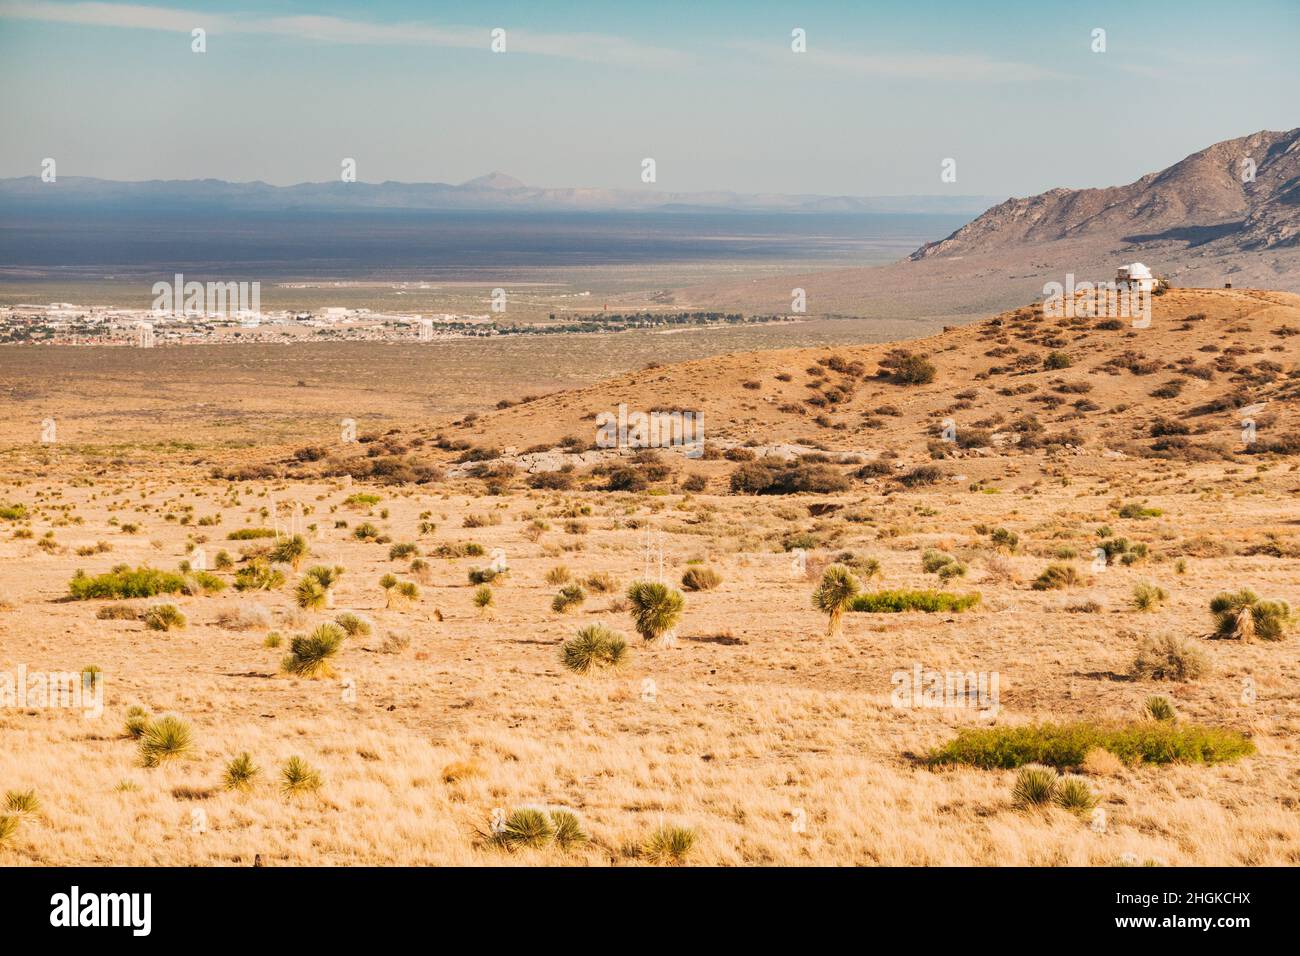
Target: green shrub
258,575
1066,745
1056,577
400,552
701,579
137,719
595,646
353,625
1148,597
309,594
897,601
164,617
1159,708
570,596
248,534
122,582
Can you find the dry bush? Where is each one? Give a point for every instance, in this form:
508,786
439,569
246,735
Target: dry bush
243,617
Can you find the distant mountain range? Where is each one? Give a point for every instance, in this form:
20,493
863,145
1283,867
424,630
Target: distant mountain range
1241,195
491,192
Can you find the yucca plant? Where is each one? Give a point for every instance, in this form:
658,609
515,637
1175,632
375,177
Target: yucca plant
389,583
1245,617
567,829
309,594
258,575
298,777
164,617
669,844
483,598
1074,794
8,827
290,551
310,655
526,827
353,625
1148,597
408,592
240,773
326,576
22,801
165,739
570,596
834,596
594,646
656,609
1035,785
1159,708
137,719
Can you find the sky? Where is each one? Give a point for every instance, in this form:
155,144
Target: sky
584,91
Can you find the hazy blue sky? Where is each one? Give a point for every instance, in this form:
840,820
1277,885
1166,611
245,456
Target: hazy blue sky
711,90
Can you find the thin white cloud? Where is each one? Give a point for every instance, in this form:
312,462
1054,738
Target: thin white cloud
586,47
910,66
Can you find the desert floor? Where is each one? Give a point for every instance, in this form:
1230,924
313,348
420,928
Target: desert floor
775,744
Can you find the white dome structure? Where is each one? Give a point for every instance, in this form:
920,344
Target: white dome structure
1137,275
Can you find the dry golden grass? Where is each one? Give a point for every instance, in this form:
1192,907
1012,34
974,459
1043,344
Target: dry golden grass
773,744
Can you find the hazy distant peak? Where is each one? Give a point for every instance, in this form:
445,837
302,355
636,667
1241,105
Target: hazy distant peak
494,180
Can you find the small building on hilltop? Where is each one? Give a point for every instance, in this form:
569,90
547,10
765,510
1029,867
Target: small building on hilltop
1137,276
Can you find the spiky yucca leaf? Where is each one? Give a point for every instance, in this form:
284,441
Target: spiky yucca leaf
568,830
1035,785
1074,794
22,801
240,773
835,595
669,844
594,646
526,827
656,608
309,655
297,776
164,739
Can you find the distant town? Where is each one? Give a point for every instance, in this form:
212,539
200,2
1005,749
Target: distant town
64,323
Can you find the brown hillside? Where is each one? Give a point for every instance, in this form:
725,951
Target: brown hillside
1224,349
